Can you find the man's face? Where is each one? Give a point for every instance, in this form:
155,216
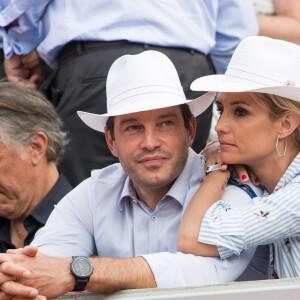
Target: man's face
15,182
152,146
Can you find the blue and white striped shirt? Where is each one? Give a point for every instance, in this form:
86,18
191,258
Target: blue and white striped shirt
272,218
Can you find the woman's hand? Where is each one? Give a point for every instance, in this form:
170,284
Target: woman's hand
212,153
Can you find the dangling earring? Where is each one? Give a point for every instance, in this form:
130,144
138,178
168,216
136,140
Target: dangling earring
285,146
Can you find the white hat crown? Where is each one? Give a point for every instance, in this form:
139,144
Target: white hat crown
142,82
259,64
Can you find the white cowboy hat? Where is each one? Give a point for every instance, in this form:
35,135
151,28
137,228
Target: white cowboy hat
259,64
143,82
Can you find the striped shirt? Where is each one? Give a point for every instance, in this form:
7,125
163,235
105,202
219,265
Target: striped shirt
272,218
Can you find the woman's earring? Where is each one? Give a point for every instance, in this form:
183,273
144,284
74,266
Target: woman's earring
285,146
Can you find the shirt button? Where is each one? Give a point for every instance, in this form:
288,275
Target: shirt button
153,218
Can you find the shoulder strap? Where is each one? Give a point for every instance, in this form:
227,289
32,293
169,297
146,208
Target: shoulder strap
245,187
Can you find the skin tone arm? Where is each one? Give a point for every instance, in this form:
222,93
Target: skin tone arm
285,24
51,277
210,191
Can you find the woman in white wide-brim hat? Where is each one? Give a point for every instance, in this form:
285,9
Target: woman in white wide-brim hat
259,104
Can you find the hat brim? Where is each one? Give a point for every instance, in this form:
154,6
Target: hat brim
219,83
197,106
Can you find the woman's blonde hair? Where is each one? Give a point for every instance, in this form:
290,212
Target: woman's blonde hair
277,106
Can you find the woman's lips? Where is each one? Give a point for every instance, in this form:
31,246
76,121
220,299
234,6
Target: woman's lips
224,145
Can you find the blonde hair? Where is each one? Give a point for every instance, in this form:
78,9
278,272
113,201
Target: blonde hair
277,106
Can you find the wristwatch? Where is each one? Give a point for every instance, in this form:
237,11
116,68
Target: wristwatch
81,269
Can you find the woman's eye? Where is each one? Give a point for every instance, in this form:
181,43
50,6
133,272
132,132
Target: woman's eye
220,110
240,112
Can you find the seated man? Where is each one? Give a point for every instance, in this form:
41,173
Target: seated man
128,214
31,144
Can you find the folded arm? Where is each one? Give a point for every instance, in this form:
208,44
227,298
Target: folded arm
210,191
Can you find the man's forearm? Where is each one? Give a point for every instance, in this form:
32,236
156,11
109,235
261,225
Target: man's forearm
51,276
112,274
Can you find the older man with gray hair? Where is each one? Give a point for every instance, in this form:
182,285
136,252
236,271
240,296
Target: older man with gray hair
32,142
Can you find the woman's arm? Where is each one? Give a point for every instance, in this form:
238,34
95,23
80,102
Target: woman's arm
210,191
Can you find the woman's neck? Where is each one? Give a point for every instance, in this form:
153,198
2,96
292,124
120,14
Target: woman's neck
269,171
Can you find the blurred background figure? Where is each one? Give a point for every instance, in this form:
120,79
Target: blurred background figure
81,39
279,19
31,145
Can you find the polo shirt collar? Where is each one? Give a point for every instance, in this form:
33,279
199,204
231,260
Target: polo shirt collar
42,211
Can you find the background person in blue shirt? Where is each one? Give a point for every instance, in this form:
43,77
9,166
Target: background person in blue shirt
259,126
128,214
81,39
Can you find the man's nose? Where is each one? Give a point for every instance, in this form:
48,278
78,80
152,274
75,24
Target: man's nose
151,139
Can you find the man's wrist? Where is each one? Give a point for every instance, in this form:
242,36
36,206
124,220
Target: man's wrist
69,278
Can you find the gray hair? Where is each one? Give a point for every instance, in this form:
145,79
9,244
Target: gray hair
23,113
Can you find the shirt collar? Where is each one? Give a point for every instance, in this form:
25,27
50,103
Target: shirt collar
181,185
291,172
59,190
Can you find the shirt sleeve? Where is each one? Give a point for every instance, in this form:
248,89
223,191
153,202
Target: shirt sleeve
263,221
180,270
69,228
236,20
24,37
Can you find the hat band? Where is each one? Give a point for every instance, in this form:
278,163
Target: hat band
143,90
254,78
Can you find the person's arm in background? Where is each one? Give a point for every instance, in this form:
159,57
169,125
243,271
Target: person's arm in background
20,28
285,24
236,20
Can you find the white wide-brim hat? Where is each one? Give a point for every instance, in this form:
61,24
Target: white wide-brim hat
142,82
259,64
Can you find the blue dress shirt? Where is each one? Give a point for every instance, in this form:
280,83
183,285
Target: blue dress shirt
209,26
102,216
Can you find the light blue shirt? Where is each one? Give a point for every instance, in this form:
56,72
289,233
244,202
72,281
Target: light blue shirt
102,216
271,218
209,26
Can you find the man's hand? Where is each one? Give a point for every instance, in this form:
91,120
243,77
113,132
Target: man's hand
27,275
25,70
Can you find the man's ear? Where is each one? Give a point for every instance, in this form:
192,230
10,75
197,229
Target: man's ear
289,122
110,142
38,147
192,130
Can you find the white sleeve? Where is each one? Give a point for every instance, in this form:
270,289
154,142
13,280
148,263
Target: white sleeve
180,270
69,228
173,270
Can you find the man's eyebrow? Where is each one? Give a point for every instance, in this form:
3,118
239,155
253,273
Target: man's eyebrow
129,120
168,115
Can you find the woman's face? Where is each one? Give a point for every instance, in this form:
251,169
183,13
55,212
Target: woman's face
246,133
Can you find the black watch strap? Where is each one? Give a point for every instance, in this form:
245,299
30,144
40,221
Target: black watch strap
80,284
81,279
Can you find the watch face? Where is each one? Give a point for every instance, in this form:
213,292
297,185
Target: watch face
82,267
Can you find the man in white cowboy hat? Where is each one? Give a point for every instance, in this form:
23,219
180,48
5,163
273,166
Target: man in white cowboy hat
128,214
